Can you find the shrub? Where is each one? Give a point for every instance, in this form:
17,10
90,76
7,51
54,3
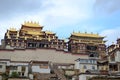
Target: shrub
14,75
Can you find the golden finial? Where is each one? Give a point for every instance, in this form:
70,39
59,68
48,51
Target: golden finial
35,22
28,22
31,22
12,29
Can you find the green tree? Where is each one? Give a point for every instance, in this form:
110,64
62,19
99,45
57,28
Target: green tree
14,75
5,76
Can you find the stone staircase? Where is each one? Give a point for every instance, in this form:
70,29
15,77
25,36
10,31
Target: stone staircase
59,72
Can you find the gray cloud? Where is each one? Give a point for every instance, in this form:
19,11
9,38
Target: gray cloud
107,6
9,8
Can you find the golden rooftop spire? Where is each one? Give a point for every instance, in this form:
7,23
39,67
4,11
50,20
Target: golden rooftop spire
32,24
12,29
86,35
49,32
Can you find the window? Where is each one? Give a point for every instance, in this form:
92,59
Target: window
81,60
90,61
93,67
0,66
91,48
86,61
44,66
13,67
84,67
92,55
30,45
94,61
103,68
23,68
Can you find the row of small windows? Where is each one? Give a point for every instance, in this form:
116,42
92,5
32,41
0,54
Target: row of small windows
88,61
80,47
0,66
93,48
85,67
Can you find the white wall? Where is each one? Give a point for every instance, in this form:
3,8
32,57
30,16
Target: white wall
80,66
6,61
117,56
3,68
31,76
0,77
77,65
18,63
88,66
40,55
85,76
40,70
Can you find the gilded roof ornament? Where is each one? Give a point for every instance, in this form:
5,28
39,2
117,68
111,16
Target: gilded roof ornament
49,32
86,35
12,29
32,24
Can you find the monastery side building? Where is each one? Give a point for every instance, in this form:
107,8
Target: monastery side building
94,47
87,43
114,57
31,36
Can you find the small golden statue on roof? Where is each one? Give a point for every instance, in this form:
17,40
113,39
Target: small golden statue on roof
32,24
12,29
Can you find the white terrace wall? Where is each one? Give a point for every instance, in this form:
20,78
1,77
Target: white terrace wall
2,67
40,55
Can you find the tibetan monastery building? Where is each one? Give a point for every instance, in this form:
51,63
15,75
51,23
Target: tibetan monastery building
32,37
87,43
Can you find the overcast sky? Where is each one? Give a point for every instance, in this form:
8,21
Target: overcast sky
64,16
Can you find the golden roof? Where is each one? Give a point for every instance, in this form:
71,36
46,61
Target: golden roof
49,32
86,35
32,24
12,29
34,33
